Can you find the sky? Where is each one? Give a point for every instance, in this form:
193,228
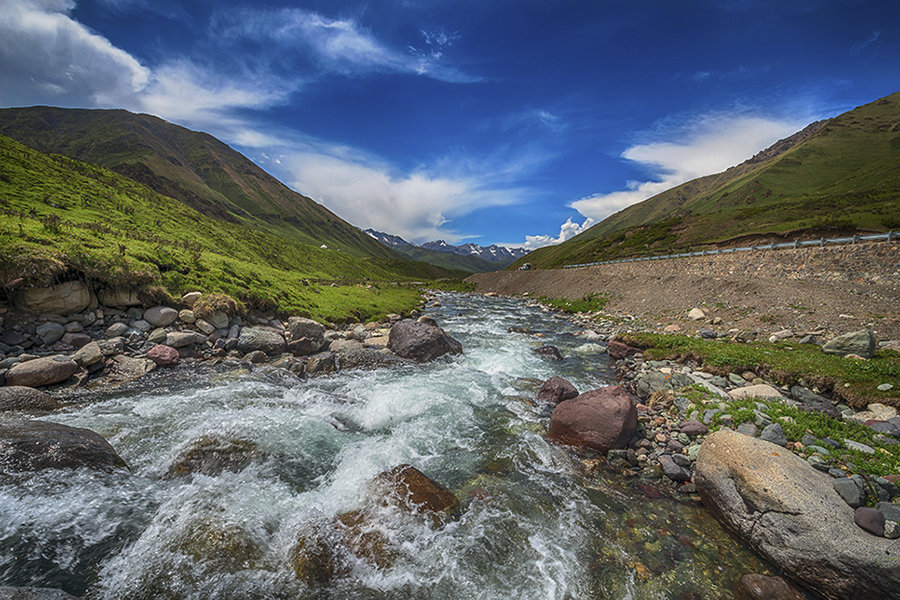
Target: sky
518,122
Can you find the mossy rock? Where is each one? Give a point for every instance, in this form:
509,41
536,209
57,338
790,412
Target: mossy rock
214,454
365,538
314,559
225,545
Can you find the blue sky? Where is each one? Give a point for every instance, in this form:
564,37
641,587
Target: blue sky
516,122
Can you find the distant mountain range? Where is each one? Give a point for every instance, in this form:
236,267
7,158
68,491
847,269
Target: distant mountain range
839,176
468,257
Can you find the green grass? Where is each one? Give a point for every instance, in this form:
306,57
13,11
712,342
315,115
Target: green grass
590,303
783,364
63,219
796,423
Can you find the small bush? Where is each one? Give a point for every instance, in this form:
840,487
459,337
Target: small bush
210,303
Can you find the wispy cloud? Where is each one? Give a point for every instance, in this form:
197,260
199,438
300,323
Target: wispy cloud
871,41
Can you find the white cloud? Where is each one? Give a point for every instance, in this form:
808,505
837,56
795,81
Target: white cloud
710,144
567,231
48,57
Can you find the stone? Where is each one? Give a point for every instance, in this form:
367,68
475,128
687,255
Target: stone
76,340
123,368
164,356
35,445
205,326
619,350
869,519
674,471
212,455
119,297
696,314
774,434
651,382
601,419
116,330
421,342
186,315
791,515
355,355
548,353
708,334
62,299
555,390
87,355
765,587
261,338
747,429
18,397
42,371
181,339
891,530
256,357
157,336
191,298
111,347
300,327
860,343
218,319
801,394
50,333
33,593
160,316
323,362
414,490
890,510
850,491
428,320
756,391
378,341
859,447
692,427
304,346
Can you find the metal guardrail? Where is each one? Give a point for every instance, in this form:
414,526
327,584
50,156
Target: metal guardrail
889,236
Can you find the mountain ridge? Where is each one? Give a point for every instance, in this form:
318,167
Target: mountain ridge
471,257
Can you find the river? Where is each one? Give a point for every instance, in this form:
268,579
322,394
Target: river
532,524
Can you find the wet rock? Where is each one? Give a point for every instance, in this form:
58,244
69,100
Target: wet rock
256,357
16,397
555,390
62,299
601,419
790,514
303,346
212,455
764,587
674,471
42,371
314,559
33,593
365,538
861,343
548,353
35,445
164,356
354,355
870,520
125,368
421,342
416,491
619,350
226,546
323,362
265,339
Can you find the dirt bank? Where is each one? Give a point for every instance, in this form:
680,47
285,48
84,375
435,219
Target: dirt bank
834,290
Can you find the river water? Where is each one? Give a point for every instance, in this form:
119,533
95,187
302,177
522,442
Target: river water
532,524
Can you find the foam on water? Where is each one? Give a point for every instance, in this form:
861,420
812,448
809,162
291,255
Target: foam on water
529,526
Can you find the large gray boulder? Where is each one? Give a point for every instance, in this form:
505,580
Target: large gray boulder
35,445
860,343
601,419
421,342
17,397
650,382
790,514
266,339
300,327
160,316
38,372
62,299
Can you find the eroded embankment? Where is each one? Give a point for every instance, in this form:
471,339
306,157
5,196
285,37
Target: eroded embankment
836,289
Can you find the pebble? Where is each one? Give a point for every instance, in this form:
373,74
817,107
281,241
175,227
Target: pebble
885,387
859,447
870,520
774,433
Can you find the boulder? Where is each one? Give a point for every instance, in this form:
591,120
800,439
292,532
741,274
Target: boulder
191,298
421,342
619,350
416,491
76,340
180,339
260,338
763,587
186,315
696,314
601,419
89,354
61,299
548,353
218,319
869,519
212,455
756,391
50,333
555,390
790,513
164,356
300,327
355,355
119,297
861,343
33,593
42,371
160,316
303,346
116,330
650,382
35,445
123,368
323,362
17,397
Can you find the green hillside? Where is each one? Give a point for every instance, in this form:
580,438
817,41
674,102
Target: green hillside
836,177
62,218
193,167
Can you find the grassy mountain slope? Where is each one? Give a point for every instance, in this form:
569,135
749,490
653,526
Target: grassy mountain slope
62,218
839,176
189,166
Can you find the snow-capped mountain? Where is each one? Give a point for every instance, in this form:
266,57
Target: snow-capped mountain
395,241
472,257
493,253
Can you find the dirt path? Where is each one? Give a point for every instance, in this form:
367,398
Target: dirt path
832,301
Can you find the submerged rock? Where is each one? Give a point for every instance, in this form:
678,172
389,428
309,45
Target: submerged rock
548,353
601,419
764,587
33,593
421,342
555,390
791,514
416,491
35,445
213,454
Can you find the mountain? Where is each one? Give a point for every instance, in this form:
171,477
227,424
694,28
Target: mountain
835,177
192,167
492,253
468,257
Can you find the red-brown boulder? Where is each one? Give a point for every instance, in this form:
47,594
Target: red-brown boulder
601,419
618,350
556,389
163,356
